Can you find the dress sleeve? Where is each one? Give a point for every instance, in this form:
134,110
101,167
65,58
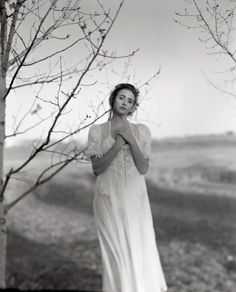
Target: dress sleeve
94,143
145,140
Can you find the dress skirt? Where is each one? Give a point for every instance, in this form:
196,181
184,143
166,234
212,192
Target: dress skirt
124,223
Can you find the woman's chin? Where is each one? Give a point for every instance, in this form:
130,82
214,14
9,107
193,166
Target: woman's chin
121,113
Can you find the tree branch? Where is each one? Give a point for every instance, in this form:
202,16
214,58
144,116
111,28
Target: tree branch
45,143
29,49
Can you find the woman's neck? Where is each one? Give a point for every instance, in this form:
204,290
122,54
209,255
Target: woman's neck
118,118
117,121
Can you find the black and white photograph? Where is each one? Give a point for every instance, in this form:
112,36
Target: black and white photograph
118,145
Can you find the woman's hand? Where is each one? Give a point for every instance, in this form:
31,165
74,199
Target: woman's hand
126,133
120,141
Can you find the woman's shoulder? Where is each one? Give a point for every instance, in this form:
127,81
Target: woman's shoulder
97,129
94,130
98,126
142,128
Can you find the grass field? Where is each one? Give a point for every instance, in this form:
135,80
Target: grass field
52,241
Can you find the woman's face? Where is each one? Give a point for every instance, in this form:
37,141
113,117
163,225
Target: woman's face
124,102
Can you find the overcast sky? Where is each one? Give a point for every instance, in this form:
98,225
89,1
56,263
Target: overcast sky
180,102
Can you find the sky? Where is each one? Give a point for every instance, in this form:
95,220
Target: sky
180,102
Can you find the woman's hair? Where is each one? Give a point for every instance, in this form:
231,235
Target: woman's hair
119,87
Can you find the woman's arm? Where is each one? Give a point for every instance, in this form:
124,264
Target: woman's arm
141,162
100,164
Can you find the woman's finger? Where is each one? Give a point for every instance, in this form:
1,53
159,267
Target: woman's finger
124,129
123,135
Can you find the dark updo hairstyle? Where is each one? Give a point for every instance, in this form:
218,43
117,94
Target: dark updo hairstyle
116,90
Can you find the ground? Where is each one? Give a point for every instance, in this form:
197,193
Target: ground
52,240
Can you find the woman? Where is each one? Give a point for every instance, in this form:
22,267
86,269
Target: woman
119,152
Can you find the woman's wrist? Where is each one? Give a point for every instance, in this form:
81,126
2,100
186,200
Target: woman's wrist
117,145
133,143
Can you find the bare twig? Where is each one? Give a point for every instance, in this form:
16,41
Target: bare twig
215,23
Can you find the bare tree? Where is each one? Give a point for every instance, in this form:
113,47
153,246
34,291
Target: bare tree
35,38
214,20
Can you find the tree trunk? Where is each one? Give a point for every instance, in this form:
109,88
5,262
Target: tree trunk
3,234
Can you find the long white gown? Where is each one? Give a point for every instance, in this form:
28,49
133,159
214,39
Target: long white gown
123,218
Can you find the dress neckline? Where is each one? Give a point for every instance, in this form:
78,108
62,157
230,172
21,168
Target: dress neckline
109,130
109,127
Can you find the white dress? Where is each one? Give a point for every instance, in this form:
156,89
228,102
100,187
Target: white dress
123,218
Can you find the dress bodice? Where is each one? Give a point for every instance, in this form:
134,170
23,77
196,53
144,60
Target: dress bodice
123,163
100,141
